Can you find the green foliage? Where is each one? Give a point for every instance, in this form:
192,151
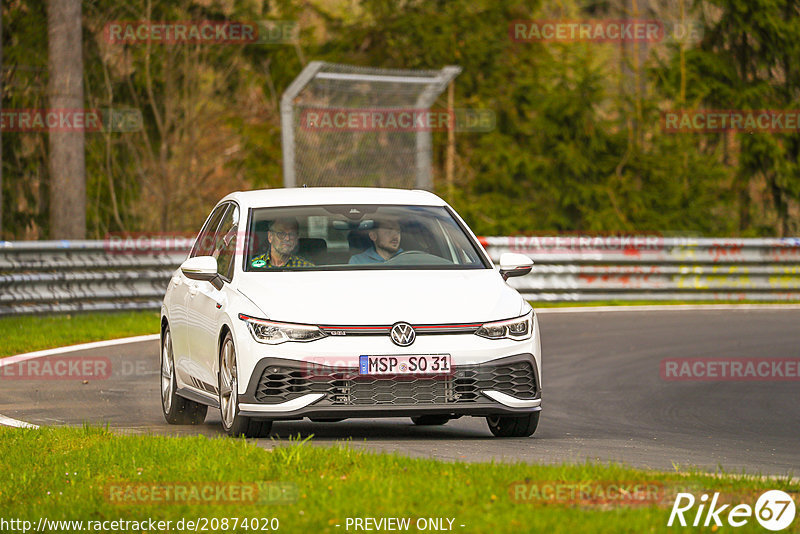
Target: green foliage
25,199
745,62
575,148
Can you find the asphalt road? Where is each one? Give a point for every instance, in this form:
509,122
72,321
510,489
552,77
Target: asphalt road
604,398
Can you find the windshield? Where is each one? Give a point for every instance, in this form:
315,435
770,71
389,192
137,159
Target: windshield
350,237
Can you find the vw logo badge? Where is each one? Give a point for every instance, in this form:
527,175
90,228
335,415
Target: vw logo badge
403,334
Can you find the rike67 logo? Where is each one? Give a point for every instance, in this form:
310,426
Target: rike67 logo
774,510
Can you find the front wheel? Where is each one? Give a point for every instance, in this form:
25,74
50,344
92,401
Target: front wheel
233,423
504,426
176,409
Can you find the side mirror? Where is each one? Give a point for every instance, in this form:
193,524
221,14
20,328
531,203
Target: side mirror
202,268
512,264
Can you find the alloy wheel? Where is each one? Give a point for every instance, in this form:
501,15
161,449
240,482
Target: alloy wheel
228,384
167,368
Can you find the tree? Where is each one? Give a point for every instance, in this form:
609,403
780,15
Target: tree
65,87
747,60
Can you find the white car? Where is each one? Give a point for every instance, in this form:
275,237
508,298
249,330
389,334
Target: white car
332,303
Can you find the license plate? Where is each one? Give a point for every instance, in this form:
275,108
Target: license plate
425,364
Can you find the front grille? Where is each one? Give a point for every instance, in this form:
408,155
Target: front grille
345,387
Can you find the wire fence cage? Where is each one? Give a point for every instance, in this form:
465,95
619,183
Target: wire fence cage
334,133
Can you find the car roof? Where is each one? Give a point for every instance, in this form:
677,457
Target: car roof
304,196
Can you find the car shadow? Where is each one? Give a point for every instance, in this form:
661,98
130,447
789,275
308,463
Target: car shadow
378,430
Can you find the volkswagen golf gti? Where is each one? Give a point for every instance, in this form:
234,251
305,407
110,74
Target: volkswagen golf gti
335,303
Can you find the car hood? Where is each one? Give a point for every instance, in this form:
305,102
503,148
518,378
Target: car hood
382,297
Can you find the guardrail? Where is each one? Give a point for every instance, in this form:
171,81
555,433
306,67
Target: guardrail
67,276
591,268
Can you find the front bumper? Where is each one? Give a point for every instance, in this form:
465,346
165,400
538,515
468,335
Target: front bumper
282,389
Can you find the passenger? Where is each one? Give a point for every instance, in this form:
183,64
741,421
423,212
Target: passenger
283,238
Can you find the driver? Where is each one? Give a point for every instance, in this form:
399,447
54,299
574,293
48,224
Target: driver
283,239
385,237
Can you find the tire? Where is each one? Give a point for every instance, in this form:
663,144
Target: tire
176,409
513,427
430,420
234,424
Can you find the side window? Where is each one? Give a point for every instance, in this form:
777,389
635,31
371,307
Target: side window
205,241
225,242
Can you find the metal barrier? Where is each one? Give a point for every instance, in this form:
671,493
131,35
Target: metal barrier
591,268
67,276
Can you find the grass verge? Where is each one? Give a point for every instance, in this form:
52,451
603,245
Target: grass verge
69,474
36,332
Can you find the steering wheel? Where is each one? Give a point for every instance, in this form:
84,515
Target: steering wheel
404,258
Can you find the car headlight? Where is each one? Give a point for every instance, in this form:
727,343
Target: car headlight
519,329
274,333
